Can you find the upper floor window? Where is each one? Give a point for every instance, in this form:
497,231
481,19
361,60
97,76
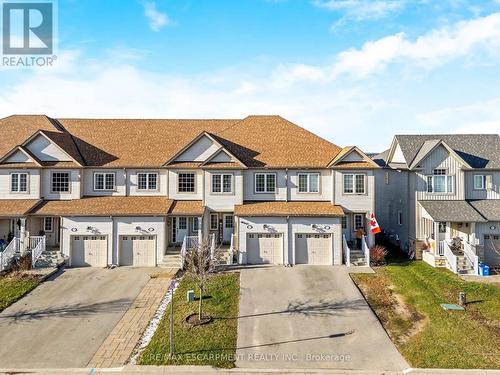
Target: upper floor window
60,182
483,182
440,182
186,183
104,181
222,183
354,184
308,182
19,182
147,181
265,182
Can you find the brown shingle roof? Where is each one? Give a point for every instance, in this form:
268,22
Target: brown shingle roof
221,165
354,165
106,206
294,208
258,141
16,207
187,208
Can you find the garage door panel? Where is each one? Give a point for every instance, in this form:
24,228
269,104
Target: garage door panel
89,251
139,251
315,249
492,250
264,248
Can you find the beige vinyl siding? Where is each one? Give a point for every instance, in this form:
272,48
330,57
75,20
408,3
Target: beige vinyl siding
493,193
224,201
440,158
33,184
355,202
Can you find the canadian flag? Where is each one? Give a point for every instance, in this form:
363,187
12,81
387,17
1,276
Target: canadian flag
373,224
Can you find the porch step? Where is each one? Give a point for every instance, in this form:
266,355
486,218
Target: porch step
50,258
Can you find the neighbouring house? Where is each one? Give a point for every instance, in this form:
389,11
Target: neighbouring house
133,192
433,189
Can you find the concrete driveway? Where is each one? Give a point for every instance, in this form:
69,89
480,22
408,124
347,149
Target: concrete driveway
64,320
309,317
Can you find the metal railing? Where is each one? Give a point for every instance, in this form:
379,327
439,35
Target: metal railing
39,248
471,257
8,253
451,259
366,250
347,252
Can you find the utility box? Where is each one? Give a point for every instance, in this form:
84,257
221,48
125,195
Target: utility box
190,295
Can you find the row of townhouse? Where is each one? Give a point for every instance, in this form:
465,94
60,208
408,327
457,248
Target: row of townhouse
131,192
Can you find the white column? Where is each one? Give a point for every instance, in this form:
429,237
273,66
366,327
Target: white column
22,235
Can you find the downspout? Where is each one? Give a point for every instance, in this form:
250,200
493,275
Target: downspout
287,186
333,188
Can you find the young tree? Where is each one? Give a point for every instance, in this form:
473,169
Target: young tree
200,262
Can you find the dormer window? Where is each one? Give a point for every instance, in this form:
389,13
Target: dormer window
440,182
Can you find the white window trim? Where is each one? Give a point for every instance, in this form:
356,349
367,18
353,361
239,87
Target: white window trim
19,183
221,192
308,174
354,221
196,220
217,222
51,224
195,182
446,179
104,181
147,181
265,183
354,192
483,181
51,183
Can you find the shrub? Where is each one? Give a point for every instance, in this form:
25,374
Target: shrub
22,263
377,255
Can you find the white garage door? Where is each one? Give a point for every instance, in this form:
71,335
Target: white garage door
138,251
313,249
89,251
264,248
492,250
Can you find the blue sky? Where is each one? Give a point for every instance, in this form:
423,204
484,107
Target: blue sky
355,72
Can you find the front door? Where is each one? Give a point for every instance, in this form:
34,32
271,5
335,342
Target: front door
181,229
228,228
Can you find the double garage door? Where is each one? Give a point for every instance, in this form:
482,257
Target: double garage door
92,251
309,248
492,250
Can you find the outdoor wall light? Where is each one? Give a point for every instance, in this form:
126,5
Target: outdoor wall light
249,227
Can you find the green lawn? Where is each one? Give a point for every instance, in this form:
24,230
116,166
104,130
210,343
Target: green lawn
13,287
406,297
211,344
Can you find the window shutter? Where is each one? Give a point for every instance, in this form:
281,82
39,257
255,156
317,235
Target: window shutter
489,182
429,184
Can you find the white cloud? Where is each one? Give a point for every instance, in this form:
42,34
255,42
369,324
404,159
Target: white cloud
428,51
361,9
480,117
156,19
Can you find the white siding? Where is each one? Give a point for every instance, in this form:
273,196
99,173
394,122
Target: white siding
440,158
88,182
46,150
162,182
74,192
325,186
289,229
249,193
355,202
224,202
78,226
172,185
199,151
493,193
33,181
